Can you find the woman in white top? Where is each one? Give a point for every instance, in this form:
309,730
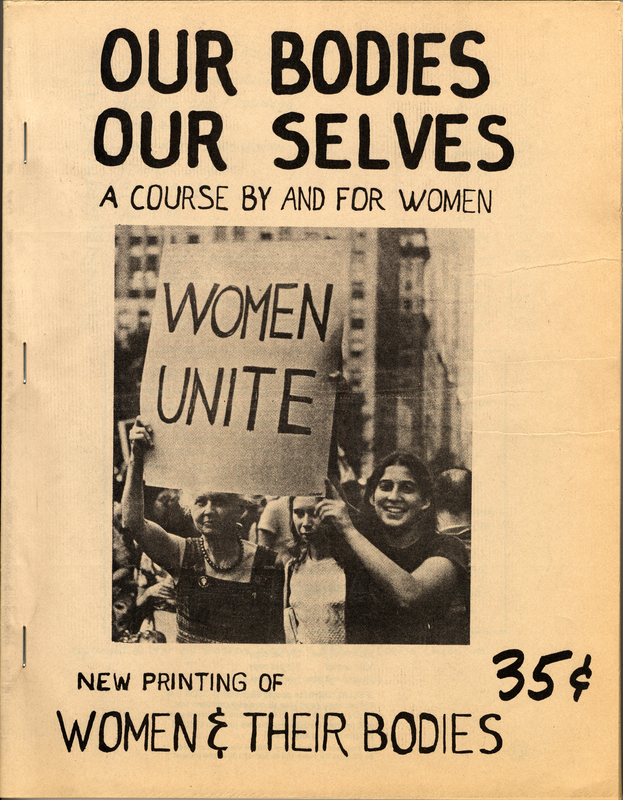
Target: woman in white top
315,588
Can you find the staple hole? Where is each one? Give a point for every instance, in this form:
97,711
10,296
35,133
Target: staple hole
25,142
24,647
24,373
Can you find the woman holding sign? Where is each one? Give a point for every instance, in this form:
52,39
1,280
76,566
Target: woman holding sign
401,576
228,590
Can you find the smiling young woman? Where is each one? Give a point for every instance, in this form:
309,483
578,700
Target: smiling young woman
401,575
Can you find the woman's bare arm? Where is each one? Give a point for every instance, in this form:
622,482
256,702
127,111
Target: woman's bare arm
163,548
425,586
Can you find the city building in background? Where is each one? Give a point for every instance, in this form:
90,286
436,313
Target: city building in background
407,368
424,340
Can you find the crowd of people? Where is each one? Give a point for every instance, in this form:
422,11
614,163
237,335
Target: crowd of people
388,563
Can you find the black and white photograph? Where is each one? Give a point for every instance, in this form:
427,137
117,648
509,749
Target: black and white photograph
376,552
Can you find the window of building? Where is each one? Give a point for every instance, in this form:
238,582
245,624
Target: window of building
136,284
407,304
239,233
285,234
357,346
408,286
173,239
266,236
135,263
220,233
193,238
358,291
357,323
150,282
151,261
144,319
134,240
152,240
412,240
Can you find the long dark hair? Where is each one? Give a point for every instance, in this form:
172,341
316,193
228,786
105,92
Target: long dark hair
299,550
421,477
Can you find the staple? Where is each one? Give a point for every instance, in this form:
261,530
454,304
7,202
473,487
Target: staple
24,646
24,373
25,141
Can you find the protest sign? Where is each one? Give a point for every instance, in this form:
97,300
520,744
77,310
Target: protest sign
240,374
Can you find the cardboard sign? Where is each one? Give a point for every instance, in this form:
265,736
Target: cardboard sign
240,373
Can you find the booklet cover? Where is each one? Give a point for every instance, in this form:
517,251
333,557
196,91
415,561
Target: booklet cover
311,362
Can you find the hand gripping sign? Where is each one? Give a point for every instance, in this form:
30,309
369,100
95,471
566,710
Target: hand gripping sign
237,379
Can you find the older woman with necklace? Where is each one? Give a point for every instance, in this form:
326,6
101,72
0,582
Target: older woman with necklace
228,590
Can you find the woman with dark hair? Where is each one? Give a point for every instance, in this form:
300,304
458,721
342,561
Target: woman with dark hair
315,585
401,574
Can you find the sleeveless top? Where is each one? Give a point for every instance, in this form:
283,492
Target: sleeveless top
214,610
314,602
372,617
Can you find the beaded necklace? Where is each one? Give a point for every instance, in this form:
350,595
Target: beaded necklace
229,567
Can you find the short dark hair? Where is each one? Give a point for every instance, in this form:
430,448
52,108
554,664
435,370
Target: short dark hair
453,491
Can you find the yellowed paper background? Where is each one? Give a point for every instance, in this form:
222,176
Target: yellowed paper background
545,402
